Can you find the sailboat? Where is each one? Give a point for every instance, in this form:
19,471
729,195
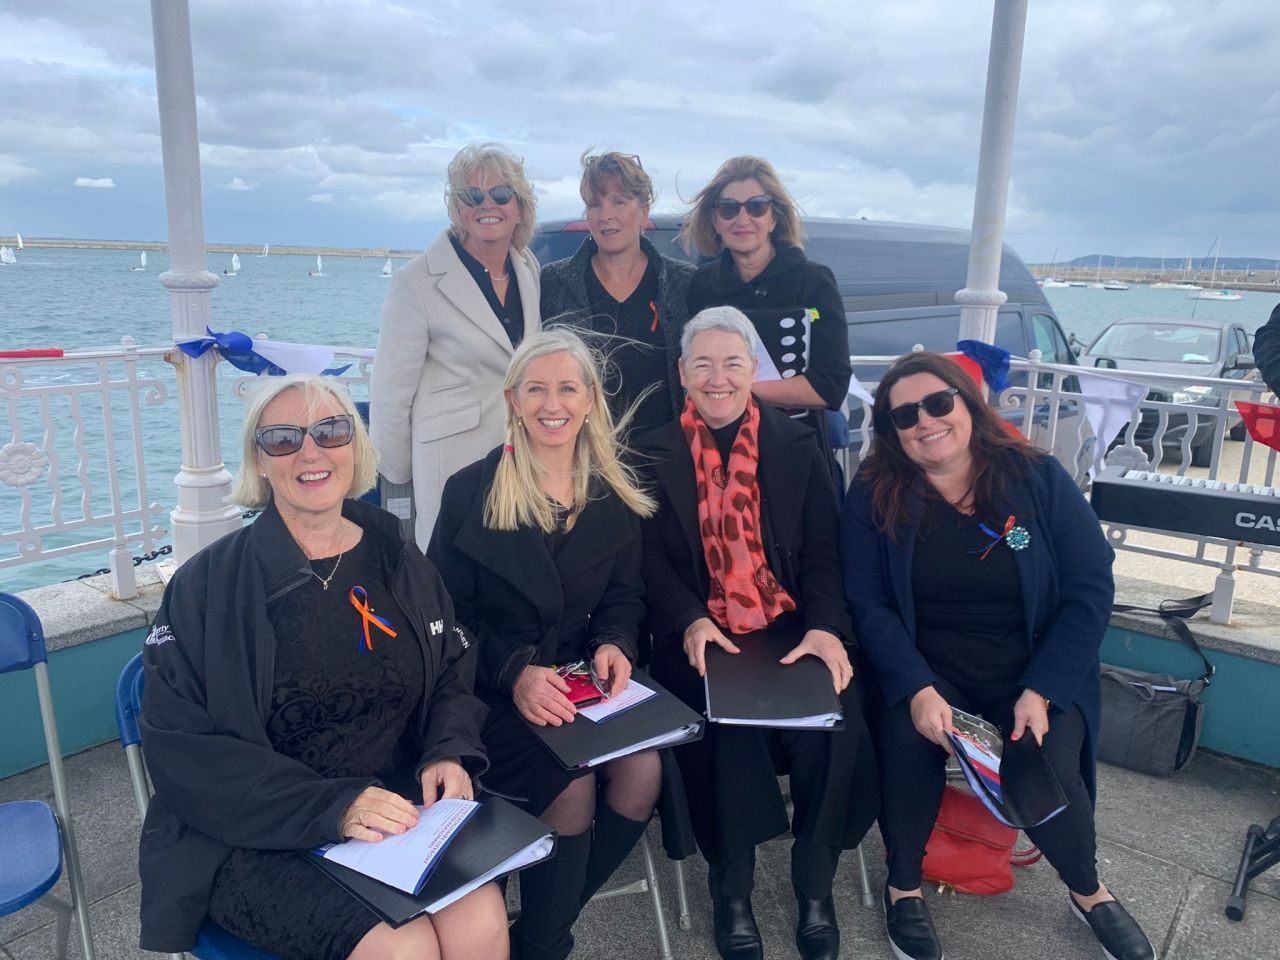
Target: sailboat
1097,277
386,268
142,262
319,270
266,249
235,266
6,257
1222,293
19,241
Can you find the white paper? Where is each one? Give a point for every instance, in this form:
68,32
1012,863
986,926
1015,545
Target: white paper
538,850
767,370
404,860
675,736
634,693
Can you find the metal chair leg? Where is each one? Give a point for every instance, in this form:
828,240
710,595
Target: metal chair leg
63,911
867,899
682,896
664,944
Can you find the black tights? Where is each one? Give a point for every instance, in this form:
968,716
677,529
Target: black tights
913,777
630,786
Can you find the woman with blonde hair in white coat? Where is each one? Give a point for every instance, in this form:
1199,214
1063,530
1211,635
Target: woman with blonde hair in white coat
450,324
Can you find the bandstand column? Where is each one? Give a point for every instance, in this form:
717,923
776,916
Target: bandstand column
981,297
202,514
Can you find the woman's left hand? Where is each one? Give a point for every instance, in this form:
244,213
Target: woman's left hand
827,648
445,780
1031,712
612,667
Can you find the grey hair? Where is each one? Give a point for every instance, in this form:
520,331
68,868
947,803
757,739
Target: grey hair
503,166
250,489
729,319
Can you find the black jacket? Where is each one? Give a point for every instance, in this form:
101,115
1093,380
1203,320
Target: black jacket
565,299
789,284
1266,350
524,606
799,514
209,663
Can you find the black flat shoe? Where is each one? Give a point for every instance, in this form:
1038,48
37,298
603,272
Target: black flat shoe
910,929
734,927
817,935
1116,930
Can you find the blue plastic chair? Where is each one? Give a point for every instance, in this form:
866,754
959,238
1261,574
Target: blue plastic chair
32,836
213,942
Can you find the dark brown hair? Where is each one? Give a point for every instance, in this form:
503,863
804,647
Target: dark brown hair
998,455
698,235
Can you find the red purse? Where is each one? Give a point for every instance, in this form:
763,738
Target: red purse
970,850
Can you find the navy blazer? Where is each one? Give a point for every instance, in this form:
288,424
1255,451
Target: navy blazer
1067,591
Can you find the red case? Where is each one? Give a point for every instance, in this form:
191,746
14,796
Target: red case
582,689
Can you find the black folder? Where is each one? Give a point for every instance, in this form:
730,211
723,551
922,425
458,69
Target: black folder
753,689
584,742
1032,794
495,833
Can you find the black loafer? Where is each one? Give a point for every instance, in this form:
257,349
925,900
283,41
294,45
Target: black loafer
910,929
817,935
1116,930
734,927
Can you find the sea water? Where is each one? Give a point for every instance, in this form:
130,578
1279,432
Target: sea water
78,299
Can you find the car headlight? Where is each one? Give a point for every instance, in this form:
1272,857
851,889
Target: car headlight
1195,394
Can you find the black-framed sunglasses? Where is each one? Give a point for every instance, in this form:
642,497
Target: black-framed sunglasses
935,405
282,439
756,206
474,196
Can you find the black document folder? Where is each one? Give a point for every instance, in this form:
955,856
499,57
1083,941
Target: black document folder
1028,793
753,689
496,834
661,721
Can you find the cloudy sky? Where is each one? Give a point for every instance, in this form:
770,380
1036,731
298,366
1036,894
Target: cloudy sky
1144,128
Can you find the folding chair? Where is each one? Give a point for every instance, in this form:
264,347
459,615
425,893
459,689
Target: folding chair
33,837
649,884
212,942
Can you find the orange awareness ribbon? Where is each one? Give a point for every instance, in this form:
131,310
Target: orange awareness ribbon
654,307
1008,525
359,598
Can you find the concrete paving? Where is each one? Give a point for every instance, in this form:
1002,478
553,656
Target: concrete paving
1168,848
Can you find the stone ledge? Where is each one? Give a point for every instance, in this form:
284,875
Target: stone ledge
81,611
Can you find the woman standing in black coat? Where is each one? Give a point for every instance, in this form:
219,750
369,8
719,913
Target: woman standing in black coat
724,438
619,286
539,546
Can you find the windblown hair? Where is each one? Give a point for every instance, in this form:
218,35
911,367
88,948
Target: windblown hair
998,456
622,169
502,166
515,497
699,232
251,490
726,318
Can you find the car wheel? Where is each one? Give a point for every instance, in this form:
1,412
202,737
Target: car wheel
1237,432
1202,453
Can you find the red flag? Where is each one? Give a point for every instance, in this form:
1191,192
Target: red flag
1262,422
974,370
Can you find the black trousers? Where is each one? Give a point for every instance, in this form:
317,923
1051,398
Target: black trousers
912,778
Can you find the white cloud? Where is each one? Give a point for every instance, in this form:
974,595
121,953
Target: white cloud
321,198
12,170
237,184
99,183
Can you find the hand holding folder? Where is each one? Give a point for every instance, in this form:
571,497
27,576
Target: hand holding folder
754,688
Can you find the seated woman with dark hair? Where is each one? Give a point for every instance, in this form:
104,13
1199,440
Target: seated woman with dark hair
744,540
978,578
539,544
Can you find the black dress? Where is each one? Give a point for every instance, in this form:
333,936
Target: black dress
343,710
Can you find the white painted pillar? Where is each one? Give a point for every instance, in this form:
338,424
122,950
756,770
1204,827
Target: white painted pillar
202,514
981,297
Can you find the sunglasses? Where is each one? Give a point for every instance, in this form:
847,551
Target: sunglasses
935,405
282,439
474,196
757,207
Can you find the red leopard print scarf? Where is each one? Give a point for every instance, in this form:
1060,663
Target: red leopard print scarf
745,595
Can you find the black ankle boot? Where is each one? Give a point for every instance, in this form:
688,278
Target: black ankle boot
550,898
613,839
817,934
734,926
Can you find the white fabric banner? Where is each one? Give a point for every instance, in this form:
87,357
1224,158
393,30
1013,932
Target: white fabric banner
1109,403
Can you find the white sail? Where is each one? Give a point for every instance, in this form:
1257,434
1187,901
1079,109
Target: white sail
386,268
319,270
143,258
7,257
235,263
142,262
19,241
266,249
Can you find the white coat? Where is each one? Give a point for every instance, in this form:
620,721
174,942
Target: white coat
435,393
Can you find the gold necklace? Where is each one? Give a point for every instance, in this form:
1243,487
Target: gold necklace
325,581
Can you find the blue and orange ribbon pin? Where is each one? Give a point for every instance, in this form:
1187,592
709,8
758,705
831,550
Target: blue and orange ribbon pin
1016,537
359,598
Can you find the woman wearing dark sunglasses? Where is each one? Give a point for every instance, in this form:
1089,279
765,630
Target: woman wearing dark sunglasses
305,683
747,220
451,321
619,286
979,578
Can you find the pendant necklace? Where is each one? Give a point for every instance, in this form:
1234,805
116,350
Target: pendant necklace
325,581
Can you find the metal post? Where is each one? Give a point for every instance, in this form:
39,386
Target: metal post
981,297
202,514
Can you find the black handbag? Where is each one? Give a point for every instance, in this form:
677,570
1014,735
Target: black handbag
1151,721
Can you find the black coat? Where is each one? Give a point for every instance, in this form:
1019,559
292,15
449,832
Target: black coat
730,775
209,663
1266,350
510,592
565,299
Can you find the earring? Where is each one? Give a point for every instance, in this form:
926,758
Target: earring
586,420
520,420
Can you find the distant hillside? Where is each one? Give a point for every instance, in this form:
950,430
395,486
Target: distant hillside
1171,265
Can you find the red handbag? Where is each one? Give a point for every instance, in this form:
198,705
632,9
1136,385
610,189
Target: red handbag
970,850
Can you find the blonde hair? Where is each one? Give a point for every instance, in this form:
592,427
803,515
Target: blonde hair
501,165
699,233
515,497
622,168
250,489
